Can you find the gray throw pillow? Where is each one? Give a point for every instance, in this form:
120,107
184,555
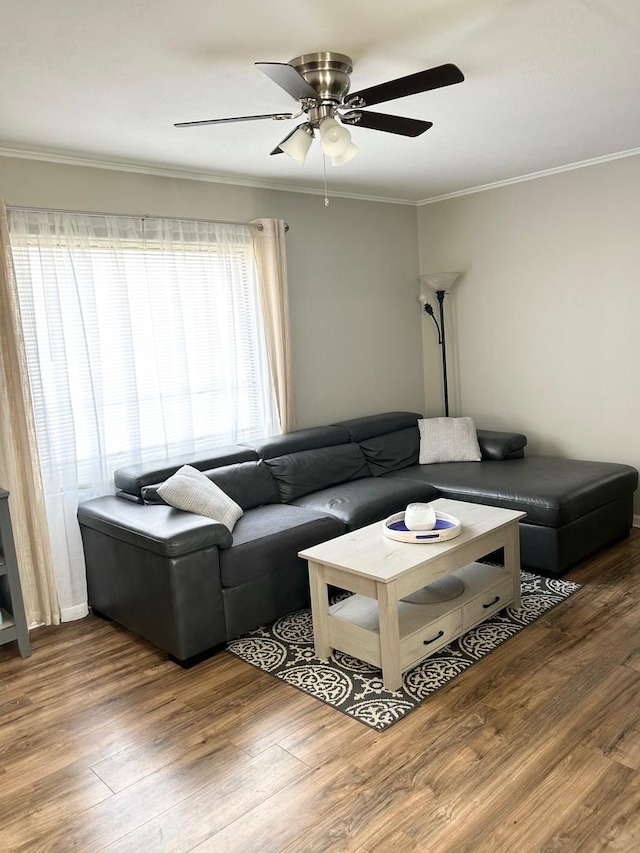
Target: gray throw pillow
448,440
192,491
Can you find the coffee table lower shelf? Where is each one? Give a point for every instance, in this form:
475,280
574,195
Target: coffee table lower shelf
353,623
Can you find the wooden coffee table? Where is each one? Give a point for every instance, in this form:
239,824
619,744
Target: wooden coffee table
374,625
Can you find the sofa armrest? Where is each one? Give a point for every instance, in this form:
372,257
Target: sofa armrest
496,446
160,529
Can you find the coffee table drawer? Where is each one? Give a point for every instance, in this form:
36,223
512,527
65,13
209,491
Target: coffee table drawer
490,602
430,638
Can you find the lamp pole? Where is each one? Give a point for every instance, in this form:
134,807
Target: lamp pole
441,283
440,297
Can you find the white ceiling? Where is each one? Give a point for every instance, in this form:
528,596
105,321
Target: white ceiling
549,83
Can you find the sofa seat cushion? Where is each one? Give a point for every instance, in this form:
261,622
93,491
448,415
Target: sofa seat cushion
552,491
269,537
362,502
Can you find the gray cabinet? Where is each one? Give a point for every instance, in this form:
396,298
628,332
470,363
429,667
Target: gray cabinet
13,625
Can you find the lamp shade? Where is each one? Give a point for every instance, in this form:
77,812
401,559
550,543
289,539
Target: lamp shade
297,144
335,138
441,280
349,153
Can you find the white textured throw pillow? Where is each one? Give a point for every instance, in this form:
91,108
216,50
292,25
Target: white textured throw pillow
192,491
448,440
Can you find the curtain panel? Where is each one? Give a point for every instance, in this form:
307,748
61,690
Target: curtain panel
19,463
271,255
144,338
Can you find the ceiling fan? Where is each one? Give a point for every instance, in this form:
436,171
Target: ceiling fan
320,83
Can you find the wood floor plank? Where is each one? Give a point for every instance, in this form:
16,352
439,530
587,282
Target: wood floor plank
626,748
147,799
632,658
309,816
607,815
326,735
32,815
63,750
541,815
226,798
395,840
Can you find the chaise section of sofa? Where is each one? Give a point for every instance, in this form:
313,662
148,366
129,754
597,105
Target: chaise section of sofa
574,507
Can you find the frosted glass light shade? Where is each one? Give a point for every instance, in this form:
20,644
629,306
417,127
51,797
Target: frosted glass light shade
335,138
297,144
441,280
349,153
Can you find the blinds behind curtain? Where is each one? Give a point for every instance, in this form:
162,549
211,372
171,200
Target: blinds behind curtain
144,338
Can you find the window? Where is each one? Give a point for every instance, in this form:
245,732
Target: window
144,338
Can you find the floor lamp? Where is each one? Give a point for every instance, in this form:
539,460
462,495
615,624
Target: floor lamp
442,283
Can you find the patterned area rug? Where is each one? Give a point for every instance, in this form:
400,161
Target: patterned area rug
285,649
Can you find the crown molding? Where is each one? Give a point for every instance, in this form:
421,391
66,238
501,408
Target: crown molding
236,180
186,174
532,176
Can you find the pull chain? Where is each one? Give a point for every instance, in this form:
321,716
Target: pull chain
326,197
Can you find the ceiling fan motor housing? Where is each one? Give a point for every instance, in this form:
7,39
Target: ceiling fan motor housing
327,72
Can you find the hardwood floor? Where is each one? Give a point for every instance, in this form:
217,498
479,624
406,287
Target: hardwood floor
106,745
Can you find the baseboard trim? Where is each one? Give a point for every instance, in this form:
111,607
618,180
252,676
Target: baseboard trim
636,520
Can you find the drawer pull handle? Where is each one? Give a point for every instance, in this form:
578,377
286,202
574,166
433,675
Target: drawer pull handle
433,639
491,603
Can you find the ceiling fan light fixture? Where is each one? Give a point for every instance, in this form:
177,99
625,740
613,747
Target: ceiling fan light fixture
349,153
335,138
297,144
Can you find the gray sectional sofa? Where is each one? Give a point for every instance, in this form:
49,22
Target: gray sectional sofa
186,584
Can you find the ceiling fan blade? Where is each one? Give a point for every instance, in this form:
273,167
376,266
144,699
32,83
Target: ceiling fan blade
289,79
389,124
423,81
275,116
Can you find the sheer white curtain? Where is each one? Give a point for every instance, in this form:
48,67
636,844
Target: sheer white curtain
144,338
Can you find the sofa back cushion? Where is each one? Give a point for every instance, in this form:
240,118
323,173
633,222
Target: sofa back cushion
132,479
298,474
390,441
299,440
371,426
249,484
392,451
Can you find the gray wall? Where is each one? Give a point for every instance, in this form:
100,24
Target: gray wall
545,321
542,328
352,268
